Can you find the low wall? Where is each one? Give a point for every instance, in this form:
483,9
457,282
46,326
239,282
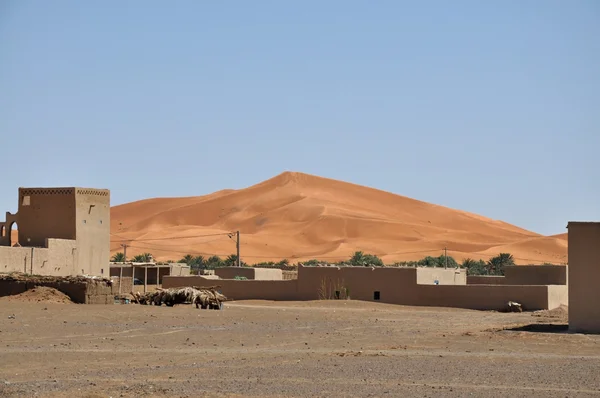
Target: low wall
484,297
524,275
79,291
536,275
443,276
57,259
263,274
387,285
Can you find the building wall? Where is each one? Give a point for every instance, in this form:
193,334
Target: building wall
525,275
58,259
93,230
536,275
482,297
584,277
449,276
45,213
266,274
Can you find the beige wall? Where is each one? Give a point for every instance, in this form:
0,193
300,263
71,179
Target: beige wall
444,276
394,285
584,277
265,274
56,260
93,230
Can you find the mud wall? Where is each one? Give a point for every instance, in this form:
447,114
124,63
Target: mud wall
266,274
79,292
449,276
536,275
387,285
584,277
56,259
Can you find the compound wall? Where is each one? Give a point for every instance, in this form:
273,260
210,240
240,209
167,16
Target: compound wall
263,274
57,259
387,285
525,275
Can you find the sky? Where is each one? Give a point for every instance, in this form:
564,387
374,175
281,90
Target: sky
490,107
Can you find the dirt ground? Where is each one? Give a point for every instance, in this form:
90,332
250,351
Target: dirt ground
266,349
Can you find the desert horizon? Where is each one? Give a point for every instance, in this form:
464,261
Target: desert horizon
298,217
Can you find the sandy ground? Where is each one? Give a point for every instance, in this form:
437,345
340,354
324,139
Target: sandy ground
266,349
300,217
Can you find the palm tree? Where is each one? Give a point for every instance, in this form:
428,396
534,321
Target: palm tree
496,264
118,257
142,258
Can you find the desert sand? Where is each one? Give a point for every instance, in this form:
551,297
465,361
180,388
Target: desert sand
299,217
291,349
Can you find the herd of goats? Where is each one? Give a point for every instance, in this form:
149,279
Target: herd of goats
205,298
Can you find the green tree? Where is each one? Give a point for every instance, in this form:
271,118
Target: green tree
142,258
360,259
213,262
231,261
496,264
118,257
474,267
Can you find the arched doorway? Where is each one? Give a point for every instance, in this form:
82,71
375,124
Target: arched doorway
13,232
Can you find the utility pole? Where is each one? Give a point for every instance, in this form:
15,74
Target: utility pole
237,246
445,258
124,246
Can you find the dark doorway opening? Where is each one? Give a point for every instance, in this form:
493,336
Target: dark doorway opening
376,295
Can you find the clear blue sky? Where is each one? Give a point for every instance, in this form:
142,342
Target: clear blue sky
489,107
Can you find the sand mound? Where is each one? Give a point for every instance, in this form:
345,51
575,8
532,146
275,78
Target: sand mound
300,217
561,313
41,294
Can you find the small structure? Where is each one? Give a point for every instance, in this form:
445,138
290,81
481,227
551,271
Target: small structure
584,277
61,232
251,273
131,277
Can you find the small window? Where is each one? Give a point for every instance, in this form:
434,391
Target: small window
100,221
26,200
376,295
84,221
102,270
337,294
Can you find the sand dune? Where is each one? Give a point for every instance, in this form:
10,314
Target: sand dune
299,217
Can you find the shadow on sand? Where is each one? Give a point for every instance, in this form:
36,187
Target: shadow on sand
541,328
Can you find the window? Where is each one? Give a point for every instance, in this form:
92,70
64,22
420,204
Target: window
337,294
84,221
26,200
376,295
100,221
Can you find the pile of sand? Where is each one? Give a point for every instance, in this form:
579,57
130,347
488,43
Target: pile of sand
300,217
561,313
40,294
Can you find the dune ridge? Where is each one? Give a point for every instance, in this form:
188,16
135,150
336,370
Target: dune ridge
300,216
